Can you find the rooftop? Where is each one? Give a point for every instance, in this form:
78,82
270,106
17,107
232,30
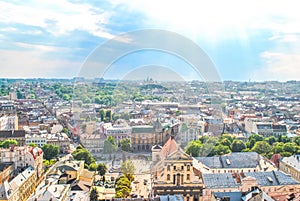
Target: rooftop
232,160
224,180
293,161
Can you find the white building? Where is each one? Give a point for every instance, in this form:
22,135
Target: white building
8,122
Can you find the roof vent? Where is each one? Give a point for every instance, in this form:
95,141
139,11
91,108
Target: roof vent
270,179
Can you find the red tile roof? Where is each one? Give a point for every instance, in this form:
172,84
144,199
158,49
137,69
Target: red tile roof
169,147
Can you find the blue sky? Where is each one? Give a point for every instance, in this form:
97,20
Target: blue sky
245,39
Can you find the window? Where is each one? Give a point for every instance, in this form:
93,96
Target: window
188,177
168,167
182,167
168,177
188,168
174,167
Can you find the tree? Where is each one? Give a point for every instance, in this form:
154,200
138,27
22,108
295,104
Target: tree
277,147
32,145
228,137
193,148
271,140
6,144
253,139
256,137
225,142
221,150
109,145
94,194
84,155
125,144
123,187
283,138
128,169
290,147
262,147
297,140
102,169
50,151
108,115
102,114
93,166
238,146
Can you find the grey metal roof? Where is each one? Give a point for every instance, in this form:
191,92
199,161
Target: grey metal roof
278,178
236,160
224,180
234,196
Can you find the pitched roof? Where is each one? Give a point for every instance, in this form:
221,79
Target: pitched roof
224,180
169,147
274,178
12,133
232,160
143,129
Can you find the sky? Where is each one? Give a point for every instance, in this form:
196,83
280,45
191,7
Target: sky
246,40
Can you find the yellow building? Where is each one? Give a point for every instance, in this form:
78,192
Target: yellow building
20,188
173,172
291,165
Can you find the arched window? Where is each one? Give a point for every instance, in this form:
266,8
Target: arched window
168,177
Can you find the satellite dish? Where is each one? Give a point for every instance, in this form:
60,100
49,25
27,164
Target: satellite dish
57,128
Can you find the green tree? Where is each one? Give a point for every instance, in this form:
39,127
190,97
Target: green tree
84,155
290,147
238,146
221,150
109,145
108,115
225,142
193,148
228,137
271,140
6,144
32,145
50,151
262,147
101,169
93,166
128,169
94,194
283,138
297,140
102,114
256,137
122,187
125,144
277,147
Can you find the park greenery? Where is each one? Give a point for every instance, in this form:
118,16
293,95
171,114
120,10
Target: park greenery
109,95
213,146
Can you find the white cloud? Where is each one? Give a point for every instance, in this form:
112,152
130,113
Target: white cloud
215,19
278,66
57,17
20,64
